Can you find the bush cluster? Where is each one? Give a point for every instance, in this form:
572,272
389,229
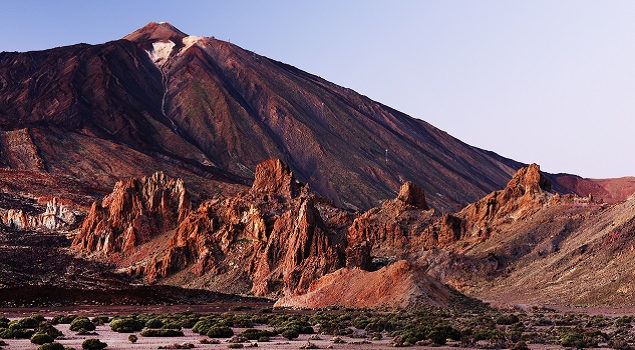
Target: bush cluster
82,323
126,325
51,346
220,332
93,344
255,334
63,319
41,338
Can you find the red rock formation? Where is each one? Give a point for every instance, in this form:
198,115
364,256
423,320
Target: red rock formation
20,152
400,285
57,217
275,177
412,194
525,193
298,252
395,228
270,240
134,213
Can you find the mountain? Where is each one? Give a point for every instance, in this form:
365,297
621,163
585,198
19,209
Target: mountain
168,159
200,108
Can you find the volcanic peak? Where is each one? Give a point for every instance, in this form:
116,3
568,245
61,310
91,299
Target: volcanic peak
154,31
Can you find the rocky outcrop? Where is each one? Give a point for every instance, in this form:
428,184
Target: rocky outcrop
270,240
400,285
394,229
56,217
526,193
135,212
298,252
275,177
412,194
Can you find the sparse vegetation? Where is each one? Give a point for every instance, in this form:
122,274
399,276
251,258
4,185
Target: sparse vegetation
220,332
51,346
93,344
475,329
41,338
82,323
126,325
161,333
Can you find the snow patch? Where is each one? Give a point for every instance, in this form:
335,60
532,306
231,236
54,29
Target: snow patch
160,52
190,41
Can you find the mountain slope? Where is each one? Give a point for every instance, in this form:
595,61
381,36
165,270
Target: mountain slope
204,108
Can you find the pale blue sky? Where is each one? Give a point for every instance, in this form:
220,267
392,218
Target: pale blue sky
551,82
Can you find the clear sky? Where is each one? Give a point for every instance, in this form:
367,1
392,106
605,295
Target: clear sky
545,81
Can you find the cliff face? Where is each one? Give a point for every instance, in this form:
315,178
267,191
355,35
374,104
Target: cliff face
133,214
394,229
270,240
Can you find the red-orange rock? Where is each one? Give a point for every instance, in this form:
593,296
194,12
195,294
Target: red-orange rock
275,177
412,194
134,213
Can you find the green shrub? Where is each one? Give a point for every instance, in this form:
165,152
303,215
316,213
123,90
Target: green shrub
132,338
255,334
203,326
521,345
172,325
23,323
263,339
235,346
290,334
126,325
41,338
220,332
49,329
38,317
93,344
161,333
154,323
16,333
51,346
4,322
63,319
82,323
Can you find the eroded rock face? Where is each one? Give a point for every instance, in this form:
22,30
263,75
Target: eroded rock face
135,212
56,217
526,193
270,240
412,194
298,252
275,177
395,228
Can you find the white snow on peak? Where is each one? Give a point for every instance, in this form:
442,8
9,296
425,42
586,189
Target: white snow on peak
190,41
160,52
